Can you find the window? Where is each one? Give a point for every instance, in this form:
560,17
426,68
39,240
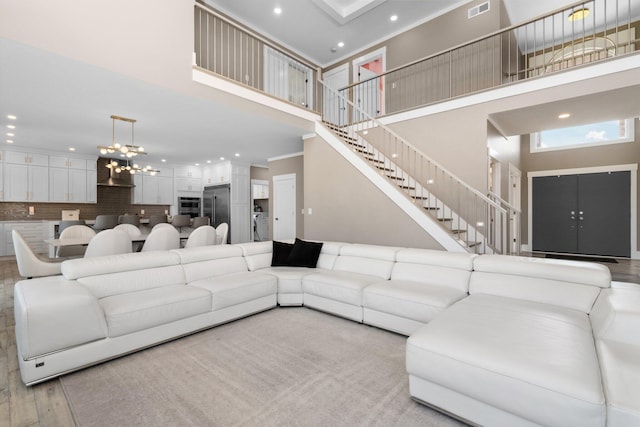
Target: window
603,133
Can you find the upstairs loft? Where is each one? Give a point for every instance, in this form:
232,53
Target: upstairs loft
527,51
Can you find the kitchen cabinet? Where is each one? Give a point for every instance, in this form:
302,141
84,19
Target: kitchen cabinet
92,182
26,177
153,189
33,232
217,174
68,179
260,191
188,179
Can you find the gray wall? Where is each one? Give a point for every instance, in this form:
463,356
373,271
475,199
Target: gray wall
348,207
435,35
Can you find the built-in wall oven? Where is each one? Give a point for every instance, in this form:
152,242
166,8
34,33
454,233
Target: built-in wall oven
189,206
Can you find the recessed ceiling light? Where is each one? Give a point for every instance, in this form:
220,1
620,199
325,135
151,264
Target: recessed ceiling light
163,160
72,149
237,154
9,141
10,134
277,11
208,161
564,116
578,15
11,117
197,164
341,44
221,158
393,18
11,127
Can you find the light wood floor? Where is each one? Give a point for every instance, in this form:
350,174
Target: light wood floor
39,405
45,404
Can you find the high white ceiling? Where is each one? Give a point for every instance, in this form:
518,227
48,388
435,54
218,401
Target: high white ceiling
62,103
312,28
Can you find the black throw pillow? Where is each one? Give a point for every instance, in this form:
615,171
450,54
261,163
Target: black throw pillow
281,252
304,254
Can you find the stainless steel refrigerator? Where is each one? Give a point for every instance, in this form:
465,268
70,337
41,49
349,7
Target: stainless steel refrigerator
216,205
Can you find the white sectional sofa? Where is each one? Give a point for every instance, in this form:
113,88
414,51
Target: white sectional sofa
493,340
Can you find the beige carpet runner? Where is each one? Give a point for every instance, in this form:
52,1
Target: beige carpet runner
287,366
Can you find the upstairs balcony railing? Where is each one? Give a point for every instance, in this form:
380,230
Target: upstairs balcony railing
544,45
232,51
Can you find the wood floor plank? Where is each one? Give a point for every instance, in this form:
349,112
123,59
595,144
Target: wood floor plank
22,403
51,404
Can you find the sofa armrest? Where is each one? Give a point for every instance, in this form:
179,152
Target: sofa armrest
53,314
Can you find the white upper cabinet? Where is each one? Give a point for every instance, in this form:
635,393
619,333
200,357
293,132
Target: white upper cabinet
68,179
188,179
26,177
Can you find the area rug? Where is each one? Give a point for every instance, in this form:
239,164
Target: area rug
286,366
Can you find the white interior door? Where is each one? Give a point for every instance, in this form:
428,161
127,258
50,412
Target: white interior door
335,107
284,207
366,96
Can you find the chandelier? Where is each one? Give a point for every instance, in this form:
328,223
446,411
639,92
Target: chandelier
118,167
126,150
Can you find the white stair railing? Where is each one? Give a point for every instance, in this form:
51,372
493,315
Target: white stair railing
468,215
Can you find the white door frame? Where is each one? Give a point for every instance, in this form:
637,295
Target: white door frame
286,177
366,58
633,168
343,69
515,198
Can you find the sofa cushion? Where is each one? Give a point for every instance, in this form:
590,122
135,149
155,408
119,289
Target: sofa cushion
280,255
304,254
136,311
518,356
237,288
366,259
257,254
438,268
569,284
340,286
209,261
410,299
83,267
290,278
105,285
48,311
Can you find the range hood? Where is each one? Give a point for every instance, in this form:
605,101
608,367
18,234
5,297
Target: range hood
110,178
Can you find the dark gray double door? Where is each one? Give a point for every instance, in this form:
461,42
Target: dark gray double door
586,214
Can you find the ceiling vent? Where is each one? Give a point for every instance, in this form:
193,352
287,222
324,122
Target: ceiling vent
478,10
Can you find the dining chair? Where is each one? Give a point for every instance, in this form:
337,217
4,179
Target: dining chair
74,232
162,225
180,221
199,221
157,219
31,264
162,239
201,236
109,242
134,232
68,223
105,222
222,231
129,219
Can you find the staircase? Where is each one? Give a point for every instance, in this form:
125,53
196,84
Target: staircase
470,219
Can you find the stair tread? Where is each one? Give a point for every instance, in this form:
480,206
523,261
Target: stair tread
431,208
471,244
445,219
397,178
458,231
